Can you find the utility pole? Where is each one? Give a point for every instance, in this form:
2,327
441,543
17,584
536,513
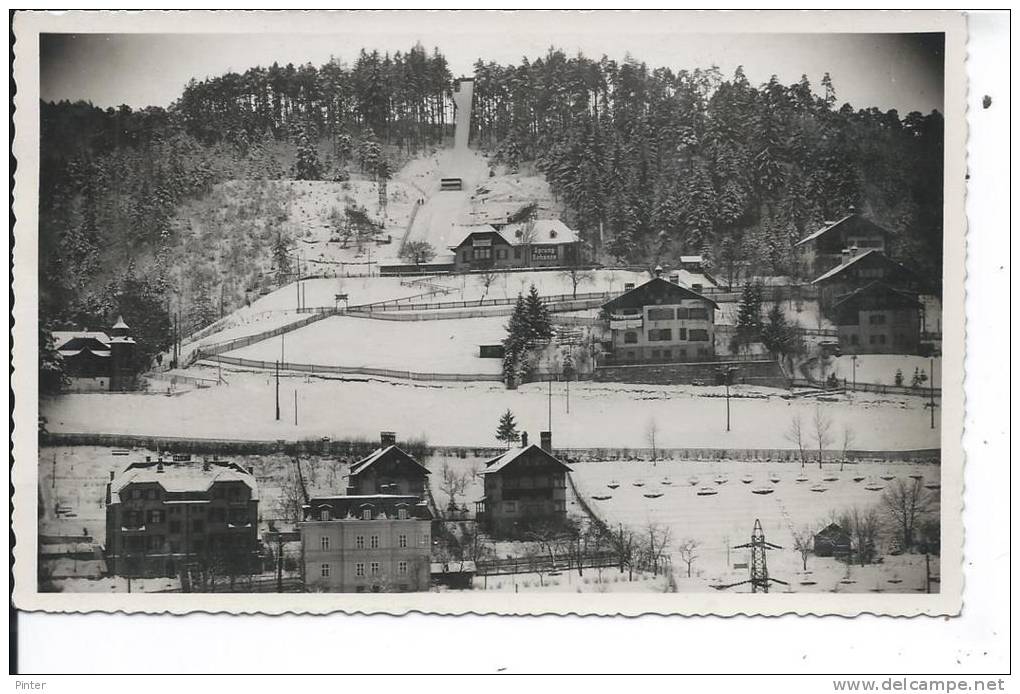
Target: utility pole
295,407
927,572
278,391
853,361
568,396
931,390
550,402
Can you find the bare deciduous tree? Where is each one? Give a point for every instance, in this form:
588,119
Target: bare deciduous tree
651,435
657,541
804,542
905,504
688,551
822,427
795,435
848,443
453,484
577,276
487,277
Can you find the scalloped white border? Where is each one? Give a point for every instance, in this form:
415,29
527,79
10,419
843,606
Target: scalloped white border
27,27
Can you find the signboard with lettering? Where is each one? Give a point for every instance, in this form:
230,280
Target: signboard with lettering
481,242
544,252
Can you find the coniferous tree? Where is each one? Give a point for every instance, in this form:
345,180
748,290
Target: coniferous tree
537,321
506,432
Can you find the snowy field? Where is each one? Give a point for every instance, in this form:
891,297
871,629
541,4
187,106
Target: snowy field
601,415
441,346
727,517
881,368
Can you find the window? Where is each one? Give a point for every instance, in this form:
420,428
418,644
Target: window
423,540
324,514
501,253
661,314
698,336
630,337
324,542
324,569
198,525
660,335
375,568
517,254
239,516
359,569
698,314
681,333
366,514
217,515
482,253
667,354
683,314
881,339
876,319
359,542
374,542
466,256
656,354
402,541
402,568
175,527
156,516
155,543
402,514
509,506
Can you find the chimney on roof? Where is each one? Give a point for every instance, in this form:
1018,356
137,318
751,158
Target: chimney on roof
388,438
112,475
159,467
853,251
251,470
545,437
205,466
658,271
148,458
524,439
674,277
851,209
844,256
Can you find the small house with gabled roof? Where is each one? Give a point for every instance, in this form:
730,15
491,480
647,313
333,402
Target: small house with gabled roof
659,322
858,269
388,470
524,487
878,319
823,248
97,361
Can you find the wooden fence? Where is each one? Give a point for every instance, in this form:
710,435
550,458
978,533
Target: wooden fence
400,305
352,370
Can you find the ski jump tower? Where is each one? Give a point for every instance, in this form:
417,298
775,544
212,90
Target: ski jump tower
463,91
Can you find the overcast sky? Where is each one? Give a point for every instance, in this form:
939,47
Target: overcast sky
901,71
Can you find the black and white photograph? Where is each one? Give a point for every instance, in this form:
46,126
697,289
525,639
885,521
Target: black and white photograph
527,312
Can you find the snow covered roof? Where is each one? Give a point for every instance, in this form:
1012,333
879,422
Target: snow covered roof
644,294
854,218
76,352
380,453
62,337
899,297
180,477
501,462
543,231
120,324
843,266
692,259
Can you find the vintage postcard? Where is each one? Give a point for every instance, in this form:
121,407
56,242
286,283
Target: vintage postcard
493,312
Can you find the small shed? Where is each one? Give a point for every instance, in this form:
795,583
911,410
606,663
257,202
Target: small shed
453,574
832,541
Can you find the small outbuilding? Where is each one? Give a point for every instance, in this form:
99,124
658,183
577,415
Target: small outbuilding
832,541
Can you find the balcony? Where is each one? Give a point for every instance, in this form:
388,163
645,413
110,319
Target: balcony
619,322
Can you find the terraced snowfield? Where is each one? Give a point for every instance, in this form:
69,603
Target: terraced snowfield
727,517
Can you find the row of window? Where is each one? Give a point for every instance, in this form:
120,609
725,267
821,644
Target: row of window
373,541
366,514
233,493
667,354
136,519
666,335
374,568
538,482
678,314
160,543
512,506
880,339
